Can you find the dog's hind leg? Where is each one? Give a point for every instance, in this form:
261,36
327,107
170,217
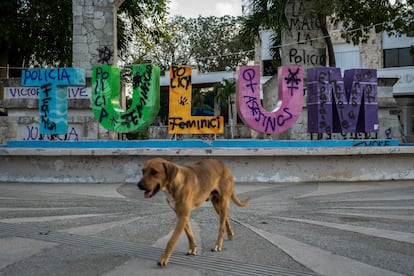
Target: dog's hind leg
230,232
222,207
191,240
215,201
229,229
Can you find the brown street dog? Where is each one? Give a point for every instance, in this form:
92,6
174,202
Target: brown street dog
187,187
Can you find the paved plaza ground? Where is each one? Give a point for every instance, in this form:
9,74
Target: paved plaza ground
288,229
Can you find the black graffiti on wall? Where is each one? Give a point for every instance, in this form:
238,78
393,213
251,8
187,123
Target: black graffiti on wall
33,134
302,56
105,54
305,31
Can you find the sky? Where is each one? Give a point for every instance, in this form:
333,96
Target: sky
194,8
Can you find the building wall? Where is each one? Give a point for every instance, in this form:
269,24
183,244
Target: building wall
370,53
391,42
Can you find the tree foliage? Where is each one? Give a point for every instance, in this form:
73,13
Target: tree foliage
207,43
358,18
40,31
36,32
144,20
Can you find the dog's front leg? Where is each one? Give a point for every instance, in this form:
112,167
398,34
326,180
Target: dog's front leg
191,240
181,224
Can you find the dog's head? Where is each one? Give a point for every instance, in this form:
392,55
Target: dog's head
156,175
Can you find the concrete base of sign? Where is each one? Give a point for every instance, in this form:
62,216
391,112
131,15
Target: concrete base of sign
250,160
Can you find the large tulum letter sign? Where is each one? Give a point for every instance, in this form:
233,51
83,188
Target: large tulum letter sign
145,98
289,105
53,95
334,104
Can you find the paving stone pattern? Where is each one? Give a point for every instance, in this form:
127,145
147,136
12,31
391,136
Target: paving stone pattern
288,229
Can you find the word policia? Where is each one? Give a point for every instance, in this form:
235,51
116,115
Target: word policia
334,104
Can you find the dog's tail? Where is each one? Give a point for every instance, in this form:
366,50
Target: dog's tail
237,200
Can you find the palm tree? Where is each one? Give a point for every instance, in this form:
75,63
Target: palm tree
223,97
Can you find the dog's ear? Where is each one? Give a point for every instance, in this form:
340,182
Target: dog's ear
171,170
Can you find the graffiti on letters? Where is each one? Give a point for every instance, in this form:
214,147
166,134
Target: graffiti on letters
290,101
180,120
342,105
145,98
53,89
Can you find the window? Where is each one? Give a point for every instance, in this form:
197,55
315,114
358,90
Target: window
398,57
347,56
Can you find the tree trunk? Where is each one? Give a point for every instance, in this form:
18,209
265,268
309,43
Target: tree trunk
231,115
328,40
4,57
